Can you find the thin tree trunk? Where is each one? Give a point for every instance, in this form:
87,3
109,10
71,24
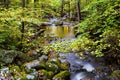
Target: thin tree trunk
23,25
35,3
6,3
62,6
27,2
78,10
69,9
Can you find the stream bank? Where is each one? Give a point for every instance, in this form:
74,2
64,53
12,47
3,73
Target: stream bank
60,66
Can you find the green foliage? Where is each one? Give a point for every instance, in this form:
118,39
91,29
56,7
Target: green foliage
79,44
14,68
99,31
10,26
9,33
33,13
2,64
102,27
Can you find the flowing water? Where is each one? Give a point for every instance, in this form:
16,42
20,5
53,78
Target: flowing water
81,67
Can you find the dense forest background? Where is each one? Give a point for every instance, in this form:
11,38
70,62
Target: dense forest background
22,25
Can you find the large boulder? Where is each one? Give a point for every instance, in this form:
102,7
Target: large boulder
49,66
7,56
13,56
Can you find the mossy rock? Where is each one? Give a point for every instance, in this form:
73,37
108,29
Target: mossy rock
32,66
116,74
55,61
13,56
51,67
62,75
23,57
44,74
24,76
64,66
7,56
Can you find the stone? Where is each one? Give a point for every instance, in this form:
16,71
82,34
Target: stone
35,73
63,75
32,64
22,57
49,66
5,74
115,74
11,56
43,58
44,74
4,70
30,77
7,56
55,61
64,66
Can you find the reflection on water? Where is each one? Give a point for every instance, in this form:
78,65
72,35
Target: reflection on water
65,32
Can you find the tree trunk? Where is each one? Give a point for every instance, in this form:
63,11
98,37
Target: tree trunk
28,2
69,9
6,3
23,25
78,10
23,3
62,6
35,3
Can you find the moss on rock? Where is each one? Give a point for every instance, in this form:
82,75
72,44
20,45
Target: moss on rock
44,74
62,75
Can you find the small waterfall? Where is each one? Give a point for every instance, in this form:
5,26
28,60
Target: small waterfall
53,25
79,76
53,21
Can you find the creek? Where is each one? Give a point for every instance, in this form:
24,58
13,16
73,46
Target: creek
59,66
83,67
